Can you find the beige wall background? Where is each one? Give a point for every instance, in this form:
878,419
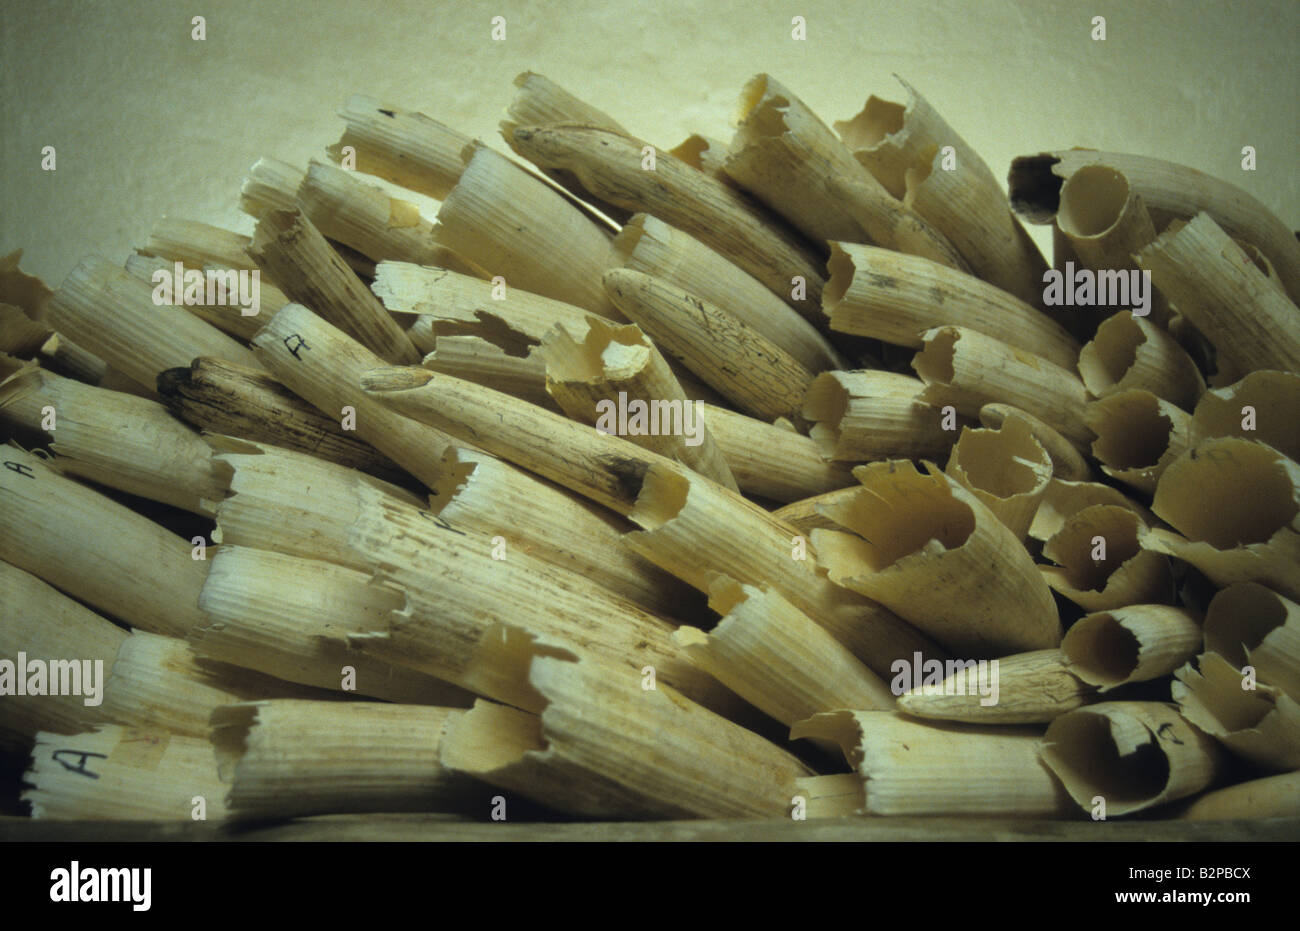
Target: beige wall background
146,122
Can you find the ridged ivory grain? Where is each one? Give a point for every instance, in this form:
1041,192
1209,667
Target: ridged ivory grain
291,617
925,547
139,775
513,225
1133,754
869,414
1033,688
789,159
1247,623
648,244
749,370
113,438
614,367
103,306
1268,401
1068,463
1260,724
771,654
609,166
97,550
1131,352
968,370
1128,572
290,247
604,747
928,768
1170,191
284,759
905,148
895,297
1236,504
1135,643
1006,468
1138,436
1216,286
401,146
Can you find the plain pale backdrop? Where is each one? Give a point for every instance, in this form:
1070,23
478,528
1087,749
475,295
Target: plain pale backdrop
146,122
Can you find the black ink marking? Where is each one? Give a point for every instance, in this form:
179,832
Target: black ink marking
301,344
81,765
439,521
387,113
21,468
